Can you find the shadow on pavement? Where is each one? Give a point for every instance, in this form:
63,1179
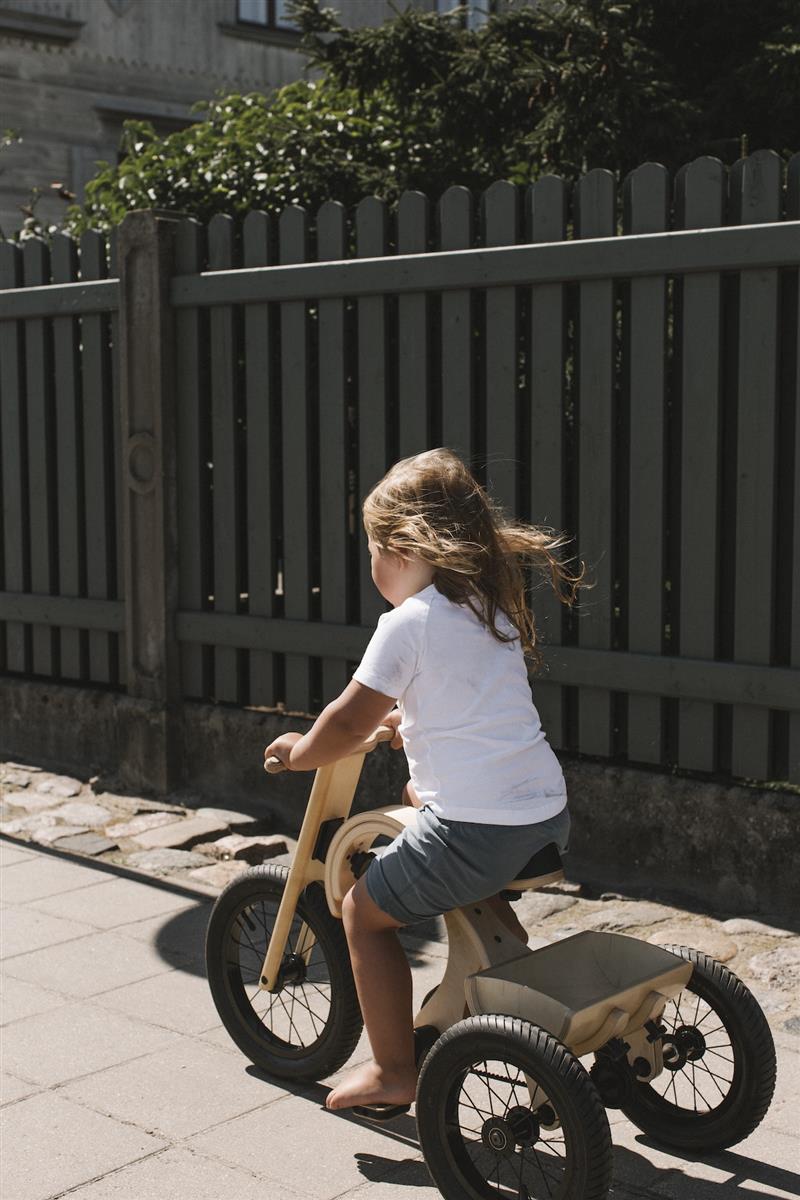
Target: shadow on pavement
632,1168
634,1173
181,939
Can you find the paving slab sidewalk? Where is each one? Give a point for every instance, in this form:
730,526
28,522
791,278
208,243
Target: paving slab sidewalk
119,1082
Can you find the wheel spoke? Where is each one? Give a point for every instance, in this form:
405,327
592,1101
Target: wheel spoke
541,1169
710,1032
490,1090
317,988
311,1014
267,927
521,1169
674,1091
289,1018
482,1115
724,1057
296,1014
250,945
714,1077
524,1172
702,1097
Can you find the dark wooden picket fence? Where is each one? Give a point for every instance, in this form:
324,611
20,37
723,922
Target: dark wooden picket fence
191,420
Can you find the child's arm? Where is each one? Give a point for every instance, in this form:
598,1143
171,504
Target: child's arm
339,730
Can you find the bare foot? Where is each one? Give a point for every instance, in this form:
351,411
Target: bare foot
368,1084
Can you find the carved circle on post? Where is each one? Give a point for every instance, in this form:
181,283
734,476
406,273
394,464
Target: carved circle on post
141,462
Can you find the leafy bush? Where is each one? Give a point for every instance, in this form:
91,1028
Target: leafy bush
423,102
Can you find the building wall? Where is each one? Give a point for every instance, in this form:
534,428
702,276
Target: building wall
71,71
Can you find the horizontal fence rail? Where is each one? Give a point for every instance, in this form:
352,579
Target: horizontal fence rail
736,249
59,300
723,683
192,416
67,612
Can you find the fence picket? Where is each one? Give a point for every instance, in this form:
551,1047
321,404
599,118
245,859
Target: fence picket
261,521
371,235
413,321
595,203
501,228
546,218
458,387
69,468
700,202
228,665
334,518
756,182
646,195
16,568
119,475
41,458
293,240
98,457
793,214
194,452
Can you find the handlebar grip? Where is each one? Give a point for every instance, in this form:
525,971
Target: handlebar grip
383,733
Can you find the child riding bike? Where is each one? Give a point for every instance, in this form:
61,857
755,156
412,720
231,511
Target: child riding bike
490,791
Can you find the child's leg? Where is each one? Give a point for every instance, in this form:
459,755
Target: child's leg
383,982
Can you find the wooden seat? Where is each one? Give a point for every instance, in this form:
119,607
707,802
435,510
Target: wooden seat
545,867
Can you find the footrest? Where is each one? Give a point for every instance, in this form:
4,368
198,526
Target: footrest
584,989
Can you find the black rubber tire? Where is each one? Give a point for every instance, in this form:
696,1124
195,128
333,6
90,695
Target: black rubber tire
587,1151
256,894
752,1074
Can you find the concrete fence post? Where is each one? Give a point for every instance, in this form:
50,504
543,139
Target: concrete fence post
150,726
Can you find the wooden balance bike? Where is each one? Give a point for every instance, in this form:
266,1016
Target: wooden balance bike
504,1105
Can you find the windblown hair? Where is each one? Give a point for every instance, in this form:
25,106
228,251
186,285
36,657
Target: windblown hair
430,505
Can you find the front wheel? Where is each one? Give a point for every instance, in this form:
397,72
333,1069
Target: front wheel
719,1064
505,1110
309,1027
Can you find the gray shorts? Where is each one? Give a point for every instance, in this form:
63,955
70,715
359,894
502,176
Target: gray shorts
436,865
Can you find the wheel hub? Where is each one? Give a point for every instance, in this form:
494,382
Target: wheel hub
523,1125
496,1136
292,970
686,1044
690,1042
503,1135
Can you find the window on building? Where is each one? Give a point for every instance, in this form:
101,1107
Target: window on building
269,14
476,12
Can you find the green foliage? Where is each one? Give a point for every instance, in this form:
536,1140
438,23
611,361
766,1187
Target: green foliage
423,102
252,151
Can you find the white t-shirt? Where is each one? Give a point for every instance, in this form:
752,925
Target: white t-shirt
473,739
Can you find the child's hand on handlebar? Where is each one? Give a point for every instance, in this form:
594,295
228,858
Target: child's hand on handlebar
281,748
393,720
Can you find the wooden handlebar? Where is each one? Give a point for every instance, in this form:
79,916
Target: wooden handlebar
384,733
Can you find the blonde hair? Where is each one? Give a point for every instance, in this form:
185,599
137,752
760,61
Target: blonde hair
430,505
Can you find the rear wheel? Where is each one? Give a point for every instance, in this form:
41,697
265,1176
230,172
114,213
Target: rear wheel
719,1064
309,1027
505,1111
